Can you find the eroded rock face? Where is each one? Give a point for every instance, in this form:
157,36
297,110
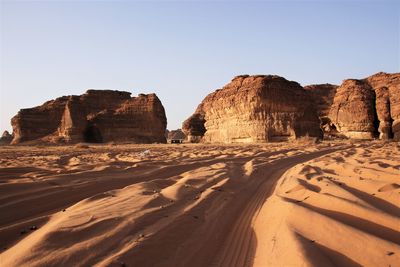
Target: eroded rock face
6,138
96,116
193,127
368,108
387,91
353,110
323,95
254,109
176,135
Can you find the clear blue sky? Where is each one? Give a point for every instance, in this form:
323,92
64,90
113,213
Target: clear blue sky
184,50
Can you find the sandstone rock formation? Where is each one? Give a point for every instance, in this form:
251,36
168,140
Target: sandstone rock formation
254,109
6,138
353,110
96,116
193,127
387,91
176,134
368,108
322,95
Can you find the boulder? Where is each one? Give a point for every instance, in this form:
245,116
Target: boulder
258,108
96,116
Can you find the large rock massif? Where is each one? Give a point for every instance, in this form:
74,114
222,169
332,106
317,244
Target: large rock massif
254,109
368,108
96,116
353,110
258,108
264,108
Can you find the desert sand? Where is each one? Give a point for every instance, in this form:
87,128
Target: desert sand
275,204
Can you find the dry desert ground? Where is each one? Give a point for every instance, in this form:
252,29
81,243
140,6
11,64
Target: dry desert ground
277,204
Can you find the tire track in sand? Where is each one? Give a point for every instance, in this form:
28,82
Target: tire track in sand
223,238
239,246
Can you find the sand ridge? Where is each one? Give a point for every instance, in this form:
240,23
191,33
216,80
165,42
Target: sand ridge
278,204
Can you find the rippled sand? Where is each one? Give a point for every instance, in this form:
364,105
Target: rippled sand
278,204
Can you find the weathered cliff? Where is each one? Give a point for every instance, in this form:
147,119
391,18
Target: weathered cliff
368,108
257,108
353,110
96,116
387,92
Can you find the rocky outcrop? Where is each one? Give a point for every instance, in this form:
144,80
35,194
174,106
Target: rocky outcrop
353,110
193,127
257,108
6,138
176,135
387,92
96,116
368,108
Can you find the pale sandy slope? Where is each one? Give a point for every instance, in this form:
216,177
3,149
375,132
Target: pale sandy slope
201,205
342,209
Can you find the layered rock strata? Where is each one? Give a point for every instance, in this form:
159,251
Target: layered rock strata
353,111
257,108
387,104
368,108
96,116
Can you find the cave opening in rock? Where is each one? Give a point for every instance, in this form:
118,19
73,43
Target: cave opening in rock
92,134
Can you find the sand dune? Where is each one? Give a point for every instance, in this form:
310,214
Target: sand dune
279,204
